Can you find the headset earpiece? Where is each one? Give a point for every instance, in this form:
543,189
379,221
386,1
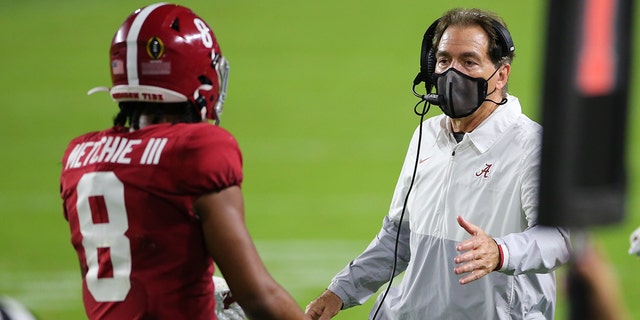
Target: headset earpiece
431,69
504,38
427,58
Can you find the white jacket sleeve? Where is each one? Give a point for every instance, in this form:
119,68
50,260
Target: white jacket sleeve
539,249
362,277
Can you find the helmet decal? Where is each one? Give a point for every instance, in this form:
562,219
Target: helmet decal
155,48
117,67
205,32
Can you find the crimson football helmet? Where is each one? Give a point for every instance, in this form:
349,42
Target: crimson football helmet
166,53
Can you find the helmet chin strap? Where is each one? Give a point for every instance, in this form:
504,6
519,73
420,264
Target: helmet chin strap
203,113
201,101
217,121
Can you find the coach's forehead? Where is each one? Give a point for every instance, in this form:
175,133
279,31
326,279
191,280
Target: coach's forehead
467,38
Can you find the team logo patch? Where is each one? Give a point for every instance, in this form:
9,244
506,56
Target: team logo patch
484,173
155,48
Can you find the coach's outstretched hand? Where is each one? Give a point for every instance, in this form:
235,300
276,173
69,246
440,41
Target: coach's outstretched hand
324,307
482,255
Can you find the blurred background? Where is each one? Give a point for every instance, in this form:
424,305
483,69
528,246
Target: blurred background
319,100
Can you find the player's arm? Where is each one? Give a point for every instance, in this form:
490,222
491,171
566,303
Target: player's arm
230,245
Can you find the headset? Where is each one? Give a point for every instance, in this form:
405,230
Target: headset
428,52
427,69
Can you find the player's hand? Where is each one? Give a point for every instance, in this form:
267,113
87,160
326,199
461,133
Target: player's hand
480,254
324,307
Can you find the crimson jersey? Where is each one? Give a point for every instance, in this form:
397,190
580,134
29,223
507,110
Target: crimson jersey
128,199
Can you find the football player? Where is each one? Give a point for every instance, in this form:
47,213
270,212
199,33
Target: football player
154,200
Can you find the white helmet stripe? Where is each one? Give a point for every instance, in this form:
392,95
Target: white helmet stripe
132,43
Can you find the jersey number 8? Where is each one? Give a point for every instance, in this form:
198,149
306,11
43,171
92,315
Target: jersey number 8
109,235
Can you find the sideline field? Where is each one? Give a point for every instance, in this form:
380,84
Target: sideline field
319,100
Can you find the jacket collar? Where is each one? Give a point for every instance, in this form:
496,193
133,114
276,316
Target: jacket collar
489,130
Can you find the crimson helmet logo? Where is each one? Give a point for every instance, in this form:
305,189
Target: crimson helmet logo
155,48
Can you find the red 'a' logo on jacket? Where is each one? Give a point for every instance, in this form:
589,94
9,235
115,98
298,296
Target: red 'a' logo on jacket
484,172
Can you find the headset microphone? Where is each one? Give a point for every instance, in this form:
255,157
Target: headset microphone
432,98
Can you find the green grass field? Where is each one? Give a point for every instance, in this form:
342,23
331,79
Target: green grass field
319,101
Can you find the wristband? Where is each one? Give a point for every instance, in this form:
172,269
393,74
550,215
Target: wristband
500,258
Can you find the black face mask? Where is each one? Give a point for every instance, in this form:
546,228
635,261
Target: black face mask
460,94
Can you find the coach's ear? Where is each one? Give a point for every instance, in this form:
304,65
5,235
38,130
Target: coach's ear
503,76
